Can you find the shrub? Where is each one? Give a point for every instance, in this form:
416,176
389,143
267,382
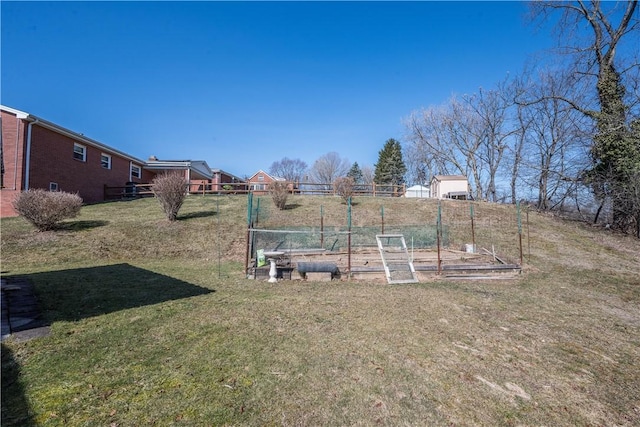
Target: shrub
45,209
279,191
344,187
170,189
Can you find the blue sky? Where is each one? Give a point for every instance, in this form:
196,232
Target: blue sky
244,84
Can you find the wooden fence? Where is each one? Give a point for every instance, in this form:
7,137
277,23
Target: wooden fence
302,188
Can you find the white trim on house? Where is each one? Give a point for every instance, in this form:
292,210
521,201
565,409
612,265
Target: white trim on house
449,186
105,160
79,152
261,172
220,172
131,175
198,169
69,133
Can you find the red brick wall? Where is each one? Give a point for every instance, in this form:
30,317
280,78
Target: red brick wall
13,140
6,203
52,160
266,181
147,177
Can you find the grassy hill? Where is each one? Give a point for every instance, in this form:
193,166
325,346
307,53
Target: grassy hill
153,323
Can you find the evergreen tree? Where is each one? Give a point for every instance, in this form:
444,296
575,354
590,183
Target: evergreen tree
355,173
390,168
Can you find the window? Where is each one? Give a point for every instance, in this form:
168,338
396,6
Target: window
136,172
79,152
105,161
53,186
261,178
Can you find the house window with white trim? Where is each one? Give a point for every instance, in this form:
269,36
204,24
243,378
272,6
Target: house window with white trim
136,171
105,161
79,152
53,186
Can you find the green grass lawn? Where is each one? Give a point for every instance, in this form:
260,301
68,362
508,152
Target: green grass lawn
155,324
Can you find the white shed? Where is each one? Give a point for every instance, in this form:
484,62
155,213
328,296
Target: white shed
450,187
417,191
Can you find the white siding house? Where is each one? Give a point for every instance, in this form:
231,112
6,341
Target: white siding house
450,187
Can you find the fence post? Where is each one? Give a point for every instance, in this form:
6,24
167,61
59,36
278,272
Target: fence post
349,237
382,217
519,229
218,236
473,228
249,209
438,233
528,236
321,226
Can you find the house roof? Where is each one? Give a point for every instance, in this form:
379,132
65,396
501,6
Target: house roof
450,177
417,190
418,187
69,133
275,178
221,172
199,168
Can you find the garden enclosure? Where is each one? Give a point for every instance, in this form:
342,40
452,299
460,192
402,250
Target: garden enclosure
440,235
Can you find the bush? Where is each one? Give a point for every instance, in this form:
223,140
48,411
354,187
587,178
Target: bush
45,209
279,191
170,189
344,187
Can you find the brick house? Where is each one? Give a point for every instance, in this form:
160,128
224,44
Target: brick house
197,173
39,154
36,153
450,187
222,178
259,182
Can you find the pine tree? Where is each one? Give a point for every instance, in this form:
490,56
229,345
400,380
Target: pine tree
390,168
355,173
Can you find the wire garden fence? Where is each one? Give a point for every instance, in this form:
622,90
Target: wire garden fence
448,225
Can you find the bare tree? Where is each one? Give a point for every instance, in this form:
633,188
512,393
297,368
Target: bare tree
556,153
516,152
451,138
344,187
596,63
493,131
329,167
431,133
367,175
290,169
419,163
